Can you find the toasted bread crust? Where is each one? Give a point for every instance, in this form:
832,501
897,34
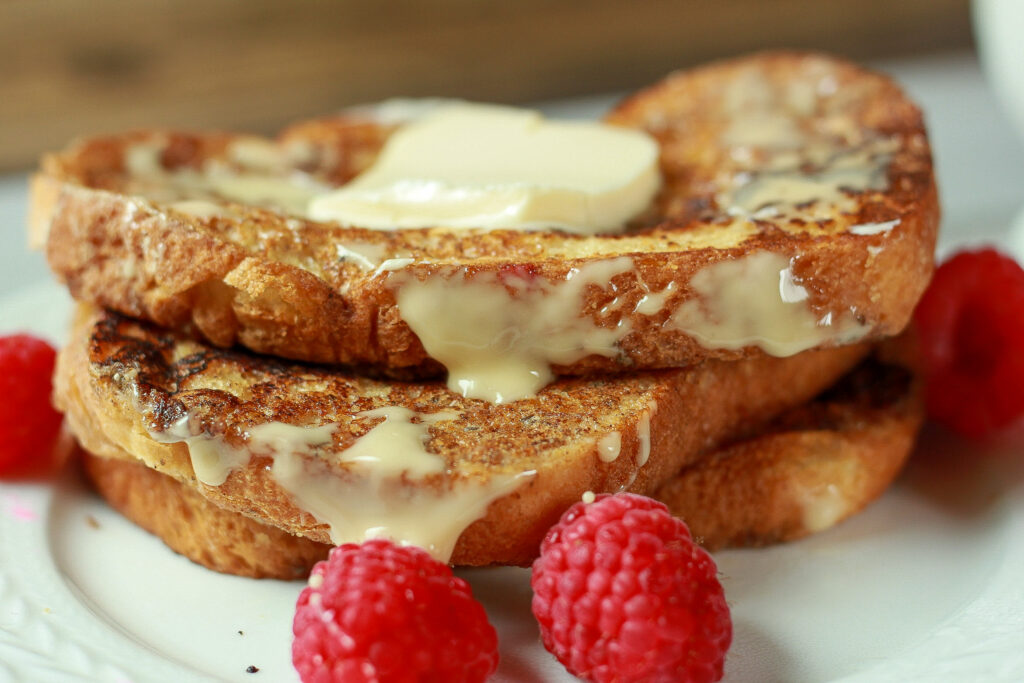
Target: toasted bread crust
192,526
275,283
816,466
839,452
119,380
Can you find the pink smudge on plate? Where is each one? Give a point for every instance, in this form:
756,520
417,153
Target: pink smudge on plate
19,511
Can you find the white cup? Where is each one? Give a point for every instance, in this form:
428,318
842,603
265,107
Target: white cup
999,28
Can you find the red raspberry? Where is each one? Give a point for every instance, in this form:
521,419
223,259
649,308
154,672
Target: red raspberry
622,593
28,423
382,612
971,324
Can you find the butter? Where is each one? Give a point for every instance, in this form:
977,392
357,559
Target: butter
756,301
491,167
651,303
786,187
609,446
262,175
387,495
365,255
822,506
397,111
396,263
279,437
357,511
643,442
499,345
799,150
643,432
499,335
874,228
258,154
396,446
766,129
289,193
200,208
213,459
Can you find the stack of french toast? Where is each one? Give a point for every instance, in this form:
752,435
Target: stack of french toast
445,323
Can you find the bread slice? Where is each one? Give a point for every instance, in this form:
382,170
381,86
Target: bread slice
191,525
815,466
780,165
274,440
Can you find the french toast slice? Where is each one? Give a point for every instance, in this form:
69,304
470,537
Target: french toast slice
328,455
191,525
814,466
805,178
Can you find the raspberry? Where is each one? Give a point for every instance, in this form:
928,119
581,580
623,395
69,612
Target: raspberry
971,324
28,423
382,612
622,593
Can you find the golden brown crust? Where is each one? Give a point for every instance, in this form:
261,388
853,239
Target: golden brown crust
816,465
118,379
276,284
196,528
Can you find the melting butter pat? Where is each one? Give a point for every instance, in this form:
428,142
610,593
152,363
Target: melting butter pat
491,167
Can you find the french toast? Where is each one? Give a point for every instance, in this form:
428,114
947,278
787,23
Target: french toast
329,456
805,177
813,467
189,524
809,469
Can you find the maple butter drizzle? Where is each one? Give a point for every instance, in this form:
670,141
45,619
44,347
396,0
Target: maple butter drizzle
255,172
385,484
212,459
498,335
609,447
811,152
756,301
644,434
816,193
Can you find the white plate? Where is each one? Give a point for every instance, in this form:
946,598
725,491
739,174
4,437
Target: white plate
923,586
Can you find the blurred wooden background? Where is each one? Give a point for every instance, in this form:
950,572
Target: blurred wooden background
72,67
